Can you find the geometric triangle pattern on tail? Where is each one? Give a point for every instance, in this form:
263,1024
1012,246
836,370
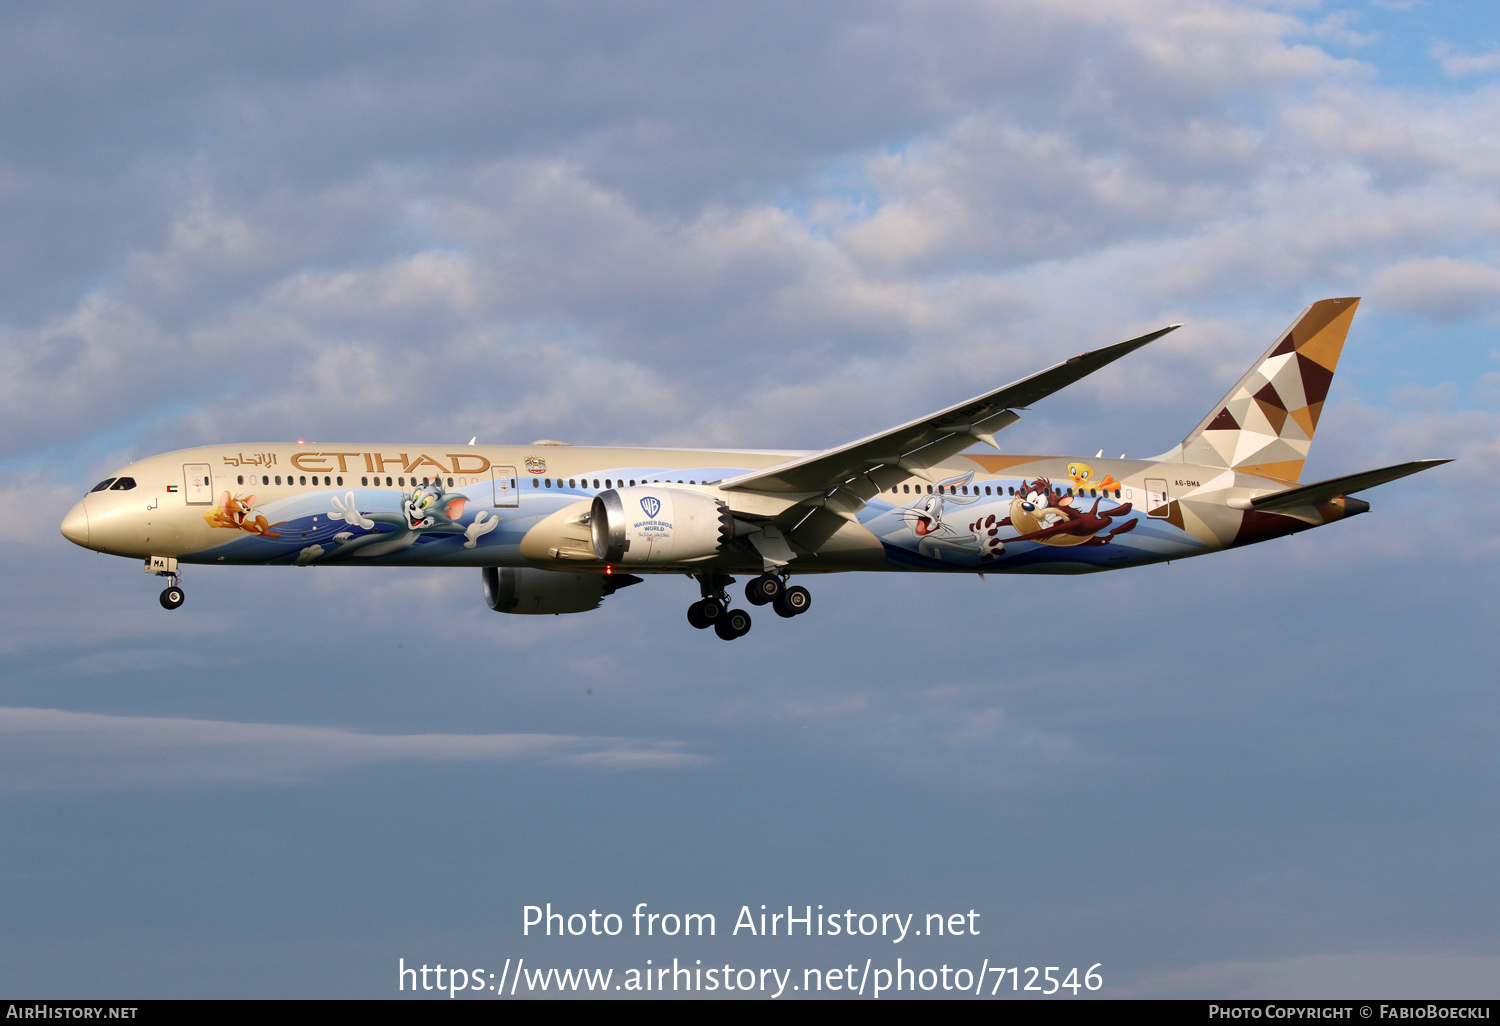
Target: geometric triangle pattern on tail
1265,424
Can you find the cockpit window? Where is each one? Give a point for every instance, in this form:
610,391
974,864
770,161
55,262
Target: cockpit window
122,484
103,485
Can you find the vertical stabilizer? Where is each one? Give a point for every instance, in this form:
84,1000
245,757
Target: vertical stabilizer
1265,424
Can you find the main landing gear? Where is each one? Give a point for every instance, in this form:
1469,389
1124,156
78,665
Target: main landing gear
712,610
787,600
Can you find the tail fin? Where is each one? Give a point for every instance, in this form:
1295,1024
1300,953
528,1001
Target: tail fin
1265,424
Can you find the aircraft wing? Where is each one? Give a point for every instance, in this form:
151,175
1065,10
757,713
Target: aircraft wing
869,465
1322,491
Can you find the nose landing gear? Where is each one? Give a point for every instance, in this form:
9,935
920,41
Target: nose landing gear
166,566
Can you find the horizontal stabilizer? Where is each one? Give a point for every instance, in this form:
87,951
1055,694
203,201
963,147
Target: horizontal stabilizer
1335,487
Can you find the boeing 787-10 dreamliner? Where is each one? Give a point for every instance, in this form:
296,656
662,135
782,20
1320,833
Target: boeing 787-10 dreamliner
556,528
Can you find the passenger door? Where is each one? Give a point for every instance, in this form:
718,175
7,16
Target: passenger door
506,491
1157,502
197,485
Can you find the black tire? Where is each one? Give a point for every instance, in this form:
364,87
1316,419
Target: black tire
695,616
733,624
795,601
712,609
172,597
762,589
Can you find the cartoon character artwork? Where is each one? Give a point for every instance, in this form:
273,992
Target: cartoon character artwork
1081,476
428,510
1041,515
234,511
927,520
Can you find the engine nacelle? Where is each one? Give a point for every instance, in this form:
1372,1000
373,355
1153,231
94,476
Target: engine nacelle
654,526
511,589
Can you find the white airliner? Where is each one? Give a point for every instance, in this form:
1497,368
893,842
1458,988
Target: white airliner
555,528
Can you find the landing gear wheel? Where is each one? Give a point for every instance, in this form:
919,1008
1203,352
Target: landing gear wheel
172,597
701,617
763,589
705,613
793,601
733,624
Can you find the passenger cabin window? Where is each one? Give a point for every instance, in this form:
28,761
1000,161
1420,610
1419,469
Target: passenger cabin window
103,485
122,484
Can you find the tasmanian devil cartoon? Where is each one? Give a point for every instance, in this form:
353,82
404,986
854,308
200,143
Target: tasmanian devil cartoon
1043,516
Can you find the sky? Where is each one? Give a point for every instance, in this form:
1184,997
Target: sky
1264,773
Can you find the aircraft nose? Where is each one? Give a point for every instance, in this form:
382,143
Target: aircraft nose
75,526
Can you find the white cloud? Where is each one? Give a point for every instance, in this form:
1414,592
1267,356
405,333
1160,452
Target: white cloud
48,749
1462,65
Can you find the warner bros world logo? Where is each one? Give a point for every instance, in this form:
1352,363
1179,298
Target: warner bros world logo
652,505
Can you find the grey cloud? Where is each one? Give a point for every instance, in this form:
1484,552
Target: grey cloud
676,105
484,268
1442,289
1373,975
47,749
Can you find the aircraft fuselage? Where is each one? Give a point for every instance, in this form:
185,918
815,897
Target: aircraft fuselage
497,506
